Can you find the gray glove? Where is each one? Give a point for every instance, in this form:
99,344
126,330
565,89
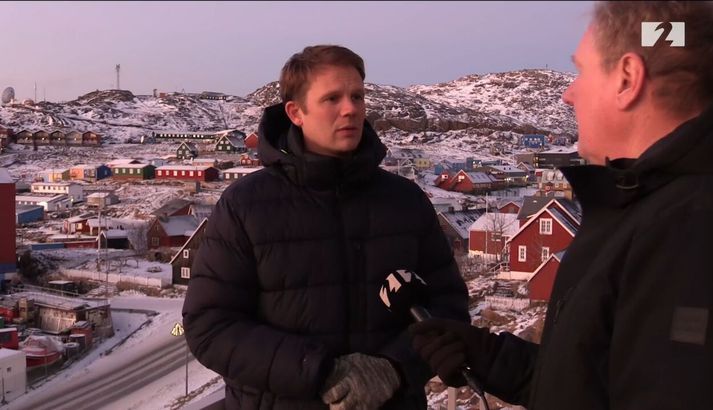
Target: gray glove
360,382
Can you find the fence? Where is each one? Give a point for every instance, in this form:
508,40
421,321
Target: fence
501,302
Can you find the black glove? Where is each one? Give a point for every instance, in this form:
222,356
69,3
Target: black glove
447,345
360,382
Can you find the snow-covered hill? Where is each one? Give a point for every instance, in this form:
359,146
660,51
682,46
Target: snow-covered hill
472,112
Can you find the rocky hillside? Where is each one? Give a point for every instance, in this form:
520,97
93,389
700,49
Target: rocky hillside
472,112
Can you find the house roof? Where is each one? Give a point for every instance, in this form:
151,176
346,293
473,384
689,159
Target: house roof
171,206
557,256
132,166
100,194
236,141
41,198
200,227
243,170
460,221
79,218
57,184
122,161
496,220
479,177
564,221
201,211
183,167
556,214
179,225
507,169
26,208
533,204
552,175
191,146
560,150
107,222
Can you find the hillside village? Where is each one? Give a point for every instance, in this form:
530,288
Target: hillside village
99,213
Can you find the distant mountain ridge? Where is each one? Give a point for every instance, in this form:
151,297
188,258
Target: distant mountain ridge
471,111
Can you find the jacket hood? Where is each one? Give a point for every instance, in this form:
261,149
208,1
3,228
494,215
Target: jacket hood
281,145
687,150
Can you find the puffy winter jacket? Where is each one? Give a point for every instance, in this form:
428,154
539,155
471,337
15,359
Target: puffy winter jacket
628,324
289,272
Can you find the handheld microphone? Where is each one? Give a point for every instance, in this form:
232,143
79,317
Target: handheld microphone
399,292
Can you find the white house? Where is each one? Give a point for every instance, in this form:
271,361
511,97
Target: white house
50,203
74,191
13,372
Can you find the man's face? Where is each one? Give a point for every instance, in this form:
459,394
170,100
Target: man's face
589,96
332,112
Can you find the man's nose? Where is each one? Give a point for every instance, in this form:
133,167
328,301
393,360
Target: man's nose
567,95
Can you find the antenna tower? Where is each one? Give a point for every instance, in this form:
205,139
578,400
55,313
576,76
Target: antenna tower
118,67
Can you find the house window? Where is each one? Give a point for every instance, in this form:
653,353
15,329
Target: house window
200,173
159,173
186,253
183,173
154,241
545,226
522,253
190,173
461,178
175,173
545,253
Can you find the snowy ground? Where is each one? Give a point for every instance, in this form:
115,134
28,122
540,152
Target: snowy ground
138,200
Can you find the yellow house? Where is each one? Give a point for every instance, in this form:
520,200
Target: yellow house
57,175
422,163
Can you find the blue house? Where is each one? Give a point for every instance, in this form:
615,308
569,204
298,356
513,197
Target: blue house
533,141
28,213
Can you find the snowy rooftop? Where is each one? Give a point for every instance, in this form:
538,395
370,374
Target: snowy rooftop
460,221
40,198
506,223
183,168
132,166
180,225
242,170
57,301
561,150
480,177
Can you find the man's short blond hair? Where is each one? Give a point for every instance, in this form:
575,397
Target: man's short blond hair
295,75
683,75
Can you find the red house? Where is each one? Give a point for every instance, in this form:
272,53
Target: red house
171,231
465,182
7,226
539,287
548,231
249,159
498,228
251,141
78,224
510,207
188,172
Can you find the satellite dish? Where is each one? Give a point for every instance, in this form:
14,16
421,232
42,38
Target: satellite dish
8,95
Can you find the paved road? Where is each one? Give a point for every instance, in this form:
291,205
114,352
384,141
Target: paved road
117,375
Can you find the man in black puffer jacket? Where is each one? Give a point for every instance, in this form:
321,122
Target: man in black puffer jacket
284,296
629,322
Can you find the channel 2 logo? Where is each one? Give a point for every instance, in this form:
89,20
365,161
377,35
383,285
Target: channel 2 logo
674,32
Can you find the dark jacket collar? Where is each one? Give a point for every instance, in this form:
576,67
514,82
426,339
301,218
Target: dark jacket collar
281,145
686,150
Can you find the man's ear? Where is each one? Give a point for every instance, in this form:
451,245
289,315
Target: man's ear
631,76
294,112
